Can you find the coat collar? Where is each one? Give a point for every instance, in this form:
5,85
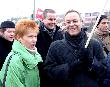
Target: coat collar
29,59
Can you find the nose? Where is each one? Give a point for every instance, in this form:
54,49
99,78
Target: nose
12,33
71,23
106,25
53,21
34,39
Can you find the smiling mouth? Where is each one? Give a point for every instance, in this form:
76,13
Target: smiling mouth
52,25
72,28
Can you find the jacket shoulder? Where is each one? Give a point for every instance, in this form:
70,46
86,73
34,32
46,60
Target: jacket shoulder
56,45
94,41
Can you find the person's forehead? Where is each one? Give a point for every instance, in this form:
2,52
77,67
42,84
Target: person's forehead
10,29
104,20
31,32
72,15
51,15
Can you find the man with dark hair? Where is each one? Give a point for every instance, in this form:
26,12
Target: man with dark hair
7,30
102,17
49,32
68,63
102,34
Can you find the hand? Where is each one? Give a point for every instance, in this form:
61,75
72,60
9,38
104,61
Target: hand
75,64
84,55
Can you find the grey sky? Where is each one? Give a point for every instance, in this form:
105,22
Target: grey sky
16,8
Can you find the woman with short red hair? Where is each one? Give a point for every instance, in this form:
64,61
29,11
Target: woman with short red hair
22,70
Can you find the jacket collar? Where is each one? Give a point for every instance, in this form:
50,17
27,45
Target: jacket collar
29,59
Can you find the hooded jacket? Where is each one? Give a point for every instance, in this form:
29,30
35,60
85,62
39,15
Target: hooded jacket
22,70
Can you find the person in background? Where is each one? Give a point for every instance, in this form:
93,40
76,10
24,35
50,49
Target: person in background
38,22
24,58
85,29
68,63
63,27
49,32
102,34
7,30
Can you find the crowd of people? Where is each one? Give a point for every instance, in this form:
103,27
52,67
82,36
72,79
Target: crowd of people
42,55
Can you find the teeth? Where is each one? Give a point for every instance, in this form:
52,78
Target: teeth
72,29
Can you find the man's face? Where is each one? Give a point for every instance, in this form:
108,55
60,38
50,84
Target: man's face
50,20
9,34
103,26
73,23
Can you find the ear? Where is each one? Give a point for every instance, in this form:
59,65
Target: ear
64,23
18,38
1,32
83,22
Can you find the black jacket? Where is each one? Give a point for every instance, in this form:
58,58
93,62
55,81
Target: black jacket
44,40
65,69
5,48
43,43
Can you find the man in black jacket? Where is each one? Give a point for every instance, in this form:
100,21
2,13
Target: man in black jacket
49,32
69,63
7,30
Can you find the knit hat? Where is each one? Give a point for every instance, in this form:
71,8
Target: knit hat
7,24
101,17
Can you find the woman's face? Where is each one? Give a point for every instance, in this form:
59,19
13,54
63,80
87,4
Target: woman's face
29,40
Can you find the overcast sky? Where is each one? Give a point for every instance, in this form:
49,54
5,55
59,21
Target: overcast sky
16,8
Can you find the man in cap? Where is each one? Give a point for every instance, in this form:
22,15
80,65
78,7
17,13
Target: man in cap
103,36
102,33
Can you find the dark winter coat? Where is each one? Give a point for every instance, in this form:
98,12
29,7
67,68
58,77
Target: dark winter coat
66,69
5,48
105,41
43,43
44,40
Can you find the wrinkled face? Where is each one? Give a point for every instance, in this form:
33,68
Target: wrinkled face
103,26
73,23
29,40
50,20
9,34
